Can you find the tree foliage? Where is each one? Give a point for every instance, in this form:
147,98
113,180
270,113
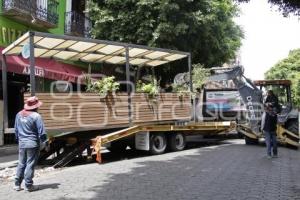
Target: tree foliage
285,6
205,28
288,68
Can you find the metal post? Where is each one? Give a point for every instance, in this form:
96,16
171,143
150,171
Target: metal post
32,63
128,85
190,72
193,112
5,101
299,123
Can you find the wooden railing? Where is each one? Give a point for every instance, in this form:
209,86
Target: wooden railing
63,112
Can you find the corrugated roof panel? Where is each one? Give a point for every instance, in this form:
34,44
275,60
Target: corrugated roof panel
49,42
92,57
116,60
38,52
136,51
82,46
15,50
49,53
66,44
95,48
174,57
156,63
109,49
138,61
36,39
64,55
156,54
78,56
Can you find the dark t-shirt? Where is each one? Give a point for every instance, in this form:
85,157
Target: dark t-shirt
270,122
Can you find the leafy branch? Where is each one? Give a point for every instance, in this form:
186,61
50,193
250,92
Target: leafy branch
152,88
102,86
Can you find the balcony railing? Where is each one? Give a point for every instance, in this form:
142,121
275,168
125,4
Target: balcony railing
43,13
77,24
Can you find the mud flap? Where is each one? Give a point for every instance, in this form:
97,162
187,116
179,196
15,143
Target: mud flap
142,140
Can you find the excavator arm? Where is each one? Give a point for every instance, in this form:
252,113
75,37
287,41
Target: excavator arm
251,95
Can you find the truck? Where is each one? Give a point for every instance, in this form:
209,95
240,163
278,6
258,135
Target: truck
78,121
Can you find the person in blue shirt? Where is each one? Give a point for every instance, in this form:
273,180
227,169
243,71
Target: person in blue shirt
30,134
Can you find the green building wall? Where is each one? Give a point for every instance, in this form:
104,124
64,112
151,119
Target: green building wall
10,29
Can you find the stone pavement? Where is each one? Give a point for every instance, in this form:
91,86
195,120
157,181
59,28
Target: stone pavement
227,171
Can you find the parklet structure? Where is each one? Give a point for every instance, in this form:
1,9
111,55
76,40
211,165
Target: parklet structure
76,121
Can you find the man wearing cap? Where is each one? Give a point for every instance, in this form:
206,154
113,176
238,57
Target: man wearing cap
30,133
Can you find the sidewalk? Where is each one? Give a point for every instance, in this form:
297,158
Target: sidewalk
8,156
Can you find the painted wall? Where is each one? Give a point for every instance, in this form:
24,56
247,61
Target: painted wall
10,30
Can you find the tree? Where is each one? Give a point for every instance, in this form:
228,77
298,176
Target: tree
285,6
288,68
205,28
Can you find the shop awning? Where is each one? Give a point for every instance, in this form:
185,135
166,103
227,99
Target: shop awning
44,67
62,47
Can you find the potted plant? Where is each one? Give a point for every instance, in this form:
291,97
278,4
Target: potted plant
103,87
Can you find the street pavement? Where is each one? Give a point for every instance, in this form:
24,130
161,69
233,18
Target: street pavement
229,170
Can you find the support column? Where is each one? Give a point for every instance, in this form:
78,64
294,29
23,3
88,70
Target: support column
5,101
190,72
128,86
193,111
32,63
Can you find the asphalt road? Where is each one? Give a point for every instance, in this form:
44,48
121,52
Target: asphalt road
229,170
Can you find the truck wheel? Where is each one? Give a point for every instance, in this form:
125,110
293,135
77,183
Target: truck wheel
117,147
250,141
177,142
158,144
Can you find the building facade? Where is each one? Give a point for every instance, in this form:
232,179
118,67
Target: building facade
64,17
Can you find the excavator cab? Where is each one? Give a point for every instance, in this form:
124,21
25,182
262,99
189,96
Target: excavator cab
281,88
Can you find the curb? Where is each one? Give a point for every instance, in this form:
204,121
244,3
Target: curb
10,164
8,150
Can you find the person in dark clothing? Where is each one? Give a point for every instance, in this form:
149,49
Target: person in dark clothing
272,100
269,126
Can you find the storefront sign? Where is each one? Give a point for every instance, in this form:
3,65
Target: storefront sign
38,71
9,35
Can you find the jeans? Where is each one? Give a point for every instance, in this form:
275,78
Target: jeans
271,142
28,158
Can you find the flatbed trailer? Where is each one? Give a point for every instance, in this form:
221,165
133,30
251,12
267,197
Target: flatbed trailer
199,128
154,138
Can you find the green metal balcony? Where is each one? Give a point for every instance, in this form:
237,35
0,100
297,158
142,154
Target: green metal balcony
77,24
39,13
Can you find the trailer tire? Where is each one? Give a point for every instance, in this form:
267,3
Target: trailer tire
158,143
117,147
250,141
177,142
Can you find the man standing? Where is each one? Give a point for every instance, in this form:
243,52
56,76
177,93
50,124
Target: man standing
269,126
30,133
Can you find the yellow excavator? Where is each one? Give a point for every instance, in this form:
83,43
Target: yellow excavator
252,96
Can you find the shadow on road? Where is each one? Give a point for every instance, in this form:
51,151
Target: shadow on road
109,157
224,171
48,186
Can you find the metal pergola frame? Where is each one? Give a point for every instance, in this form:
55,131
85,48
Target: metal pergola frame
31,36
